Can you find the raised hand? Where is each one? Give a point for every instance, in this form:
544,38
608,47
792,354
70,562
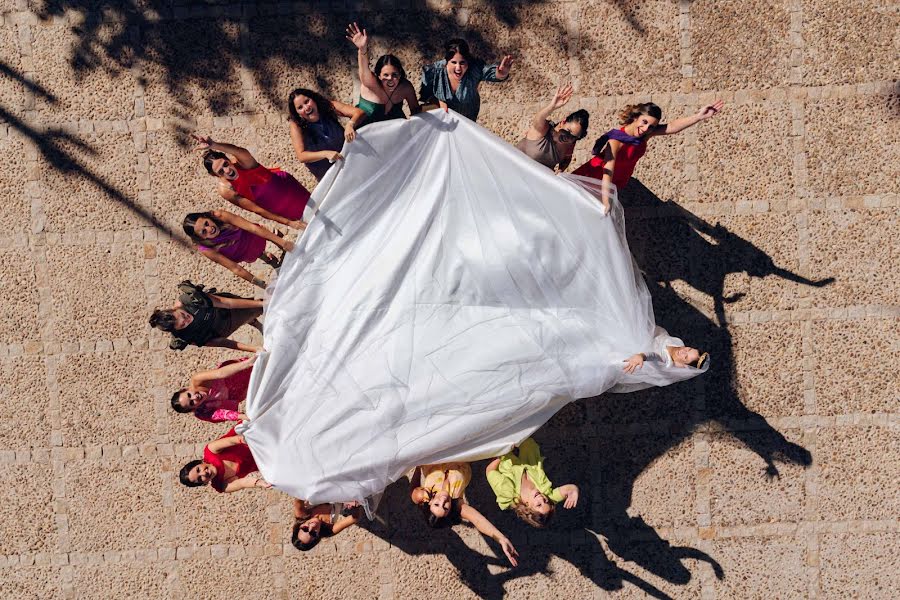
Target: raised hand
562,96
710,110
571,498
357,36
503,68
203,142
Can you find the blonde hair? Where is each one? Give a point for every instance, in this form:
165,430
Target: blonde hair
633,111
530,516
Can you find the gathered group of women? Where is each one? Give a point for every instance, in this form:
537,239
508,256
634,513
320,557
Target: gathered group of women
319,127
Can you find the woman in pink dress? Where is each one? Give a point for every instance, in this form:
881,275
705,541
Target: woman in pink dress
616,152
215,396
228,239
227,465
270,193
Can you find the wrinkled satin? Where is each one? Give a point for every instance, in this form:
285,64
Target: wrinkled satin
448,299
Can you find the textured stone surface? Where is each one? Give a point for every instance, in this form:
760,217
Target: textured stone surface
762,568
865,166
146,580
845,380
850,42
796,178
132,486
740,44
768,359
21,320
857,566
104,399
738,160
858,467
26,518
866,279
24,385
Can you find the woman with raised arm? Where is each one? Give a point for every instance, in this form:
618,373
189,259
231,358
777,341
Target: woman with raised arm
316,133
383,89
312,523
216,395
519,482
227,465
207,318
617,151
440,493
552,144
270,193
228,239
453,82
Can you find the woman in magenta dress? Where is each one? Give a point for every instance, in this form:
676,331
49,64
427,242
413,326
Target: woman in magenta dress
617,151
270,193
227,465
215,396
228,239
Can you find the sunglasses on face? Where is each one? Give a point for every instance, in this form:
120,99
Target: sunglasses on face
566,136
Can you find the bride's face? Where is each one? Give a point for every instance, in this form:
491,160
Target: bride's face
685,355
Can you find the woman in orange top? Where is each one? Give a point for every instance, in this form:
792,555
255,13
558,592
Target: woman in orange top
617,151
439,490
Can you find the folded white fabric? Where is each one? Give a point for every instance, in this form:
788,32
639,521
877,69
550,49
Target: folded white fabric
450,296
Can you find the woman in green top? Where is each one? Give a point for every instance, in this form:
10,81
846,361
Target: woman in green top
520,482
382,91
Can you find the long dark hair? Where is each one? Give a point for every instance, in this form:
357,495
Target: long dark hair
191,219
178,406
451,518
325,530
209,155
324,105
186,470
582,117
389,59
457,46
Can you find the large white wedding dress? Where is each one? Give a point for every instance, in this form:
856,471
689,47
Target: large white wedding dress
451,295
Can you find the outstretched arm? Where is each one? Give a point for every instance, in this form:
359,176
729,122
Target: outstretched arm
203,377
242,156
307,156
220,444
570,493
679,125
355,115
359,38
487,528
248,481
242,223
539,123
218,258
226,302
346,522
231,344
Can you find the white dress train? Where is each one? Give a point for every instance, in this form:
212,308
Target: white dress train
448,299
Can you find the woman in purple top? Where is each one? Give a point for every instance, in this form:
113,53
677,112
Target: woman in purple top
228,239
214,395
316,134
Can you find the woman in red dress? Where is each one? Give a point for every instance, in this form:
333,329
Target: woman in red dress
617,151
227,464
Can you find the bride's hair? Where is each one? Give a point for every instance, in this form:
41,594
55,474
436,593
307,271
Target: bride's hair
633,111
704,356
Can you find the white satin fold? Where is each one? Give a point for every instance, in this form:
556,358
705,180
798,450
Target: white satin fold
450,296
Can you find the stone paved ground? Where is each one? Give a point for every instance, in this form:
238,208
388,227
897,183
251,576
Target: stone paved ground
774,476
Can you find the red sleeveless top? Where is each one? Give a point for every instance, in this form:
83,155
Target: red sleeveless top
626,161
247,179
239,454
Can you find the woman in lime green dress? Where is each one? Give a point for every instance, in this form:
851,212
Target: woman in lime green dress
519,482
